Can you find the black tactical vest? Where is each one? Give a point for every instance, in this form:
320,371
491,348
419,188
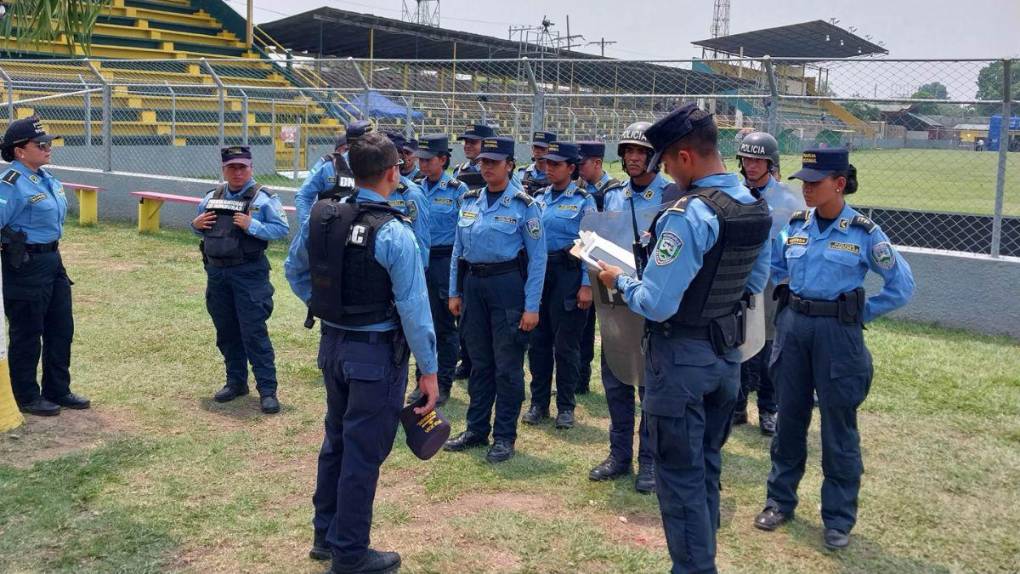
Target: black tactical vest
472,179
717,291
343,177
225,244
601,191
349,287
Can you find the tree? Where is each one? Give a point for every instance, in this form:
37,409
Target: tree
929,91
990,85
33,21
863,110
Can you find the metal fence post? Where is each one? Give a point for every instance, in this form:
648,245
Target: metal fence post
88,112
772,113
223,103
366,112
10,94
244,118
297,152
173,114
408,117
1000,181
573,123
517,122
107,117
538,104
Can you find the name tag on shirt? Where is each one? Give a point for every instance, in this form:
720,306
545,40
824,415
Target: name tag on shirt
224,205
796,240
567,207
442,201
469,215
37,198
506,219
398,203
843,246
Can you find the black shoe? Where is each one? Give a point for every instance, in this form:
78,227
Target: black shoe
444,397
739,418
229,393
270,405
462,372
767,423
771,518
565,420
609,469
501,451
535,415
464,441
40,407
413,397
645,481
320,548
72,401
374,562
836,539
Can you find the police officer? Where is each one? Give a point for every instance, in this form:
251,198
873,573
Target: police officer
566,293
354,263
594,179
409,200
37,291
237,220
706,250
758,155
499,259
443,194
533,176
825,252
642,191
410,168
330,175
469,172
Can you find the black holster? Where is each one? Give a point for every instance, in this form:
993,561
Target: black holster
462,269
14,242
401,350
522,262
728,332
851,307
781,295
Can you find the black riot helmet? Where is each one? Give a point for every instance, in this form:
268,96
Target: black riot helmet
760,145
635,135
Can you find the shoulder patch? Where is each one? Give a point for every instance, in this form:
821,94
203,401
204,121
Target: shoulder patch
801,215
863,222
11,176
527,199
534,228
667,248
883,256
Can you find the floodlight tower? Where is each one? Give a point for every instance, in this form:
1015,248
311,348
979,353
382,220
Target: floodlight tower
424,12
721,18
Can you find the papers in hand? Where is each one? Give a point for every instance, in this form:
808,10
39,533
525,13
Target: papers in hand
592,248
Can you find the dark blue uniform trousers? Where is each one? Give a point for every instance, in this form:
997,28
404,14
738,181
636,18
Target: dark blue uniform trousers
240,300
37,303
437,277
364,394
824,355
587,350
492,312
754,377
689,402
620,399
557,339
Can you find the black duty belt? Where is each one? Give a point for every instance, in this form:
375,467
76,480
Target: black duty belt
440,251
42,247
233,261
562,258
675,331
361,336
490,269
814,307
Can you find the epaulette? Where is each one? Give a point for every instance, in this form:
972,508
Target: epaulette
527,199
402,187
582,192
11,176
863,222
473,193
681,204
801,215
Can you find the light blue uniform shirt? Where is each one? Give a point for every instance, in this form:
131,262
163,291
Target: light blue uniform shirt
444,206
395,250
562,213
412,174
320,179
412,203
592,188
824,264
619,199
268,221
684,237
496,233
33,202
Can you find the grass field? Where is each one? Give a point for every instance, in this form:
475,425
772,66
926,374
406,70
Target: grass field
159,478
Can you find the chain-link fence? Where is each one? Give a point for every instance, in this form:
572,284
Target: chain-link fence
928,137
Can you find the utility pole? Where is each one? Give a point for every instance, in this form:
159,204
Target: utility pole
602,43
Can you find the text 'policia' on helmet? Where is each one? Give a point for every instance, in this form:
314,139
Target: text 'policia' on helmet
634,135
760,145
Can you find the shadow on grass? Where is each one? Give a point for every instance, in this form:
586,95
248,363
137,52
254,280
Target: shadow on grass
862,550
244,408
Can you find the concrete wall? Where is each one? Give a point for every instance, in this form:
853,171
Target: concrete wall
195,161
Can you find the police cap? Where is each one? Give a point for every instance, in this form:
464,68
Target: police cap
542,139
819,163
425,434
497,148
432,145
672,128
478,132
236,154
562,151
28,129
591,149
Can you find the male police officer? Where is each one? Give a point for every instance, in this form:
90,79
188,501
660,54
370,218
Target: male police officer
237,220
469,172
758,155
355,263
409,169
593,179
533,177
642,191
409,200
705,251
330,175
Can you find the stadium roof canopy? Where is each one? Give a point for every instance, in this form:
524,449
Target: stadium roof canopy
340,33
817,40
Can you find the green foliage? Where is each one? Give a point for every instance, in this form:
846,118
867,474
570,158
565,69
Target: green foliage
863,111
929,91
33,21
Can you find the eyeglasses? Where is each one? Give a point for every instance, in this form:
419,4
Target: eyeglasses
45,146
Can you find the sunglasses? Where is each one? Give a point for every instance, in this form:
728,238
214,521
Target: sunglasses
45,146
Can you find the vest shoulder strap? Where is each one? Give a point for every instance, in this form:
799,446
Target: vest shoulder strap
609,185
471,193
527,199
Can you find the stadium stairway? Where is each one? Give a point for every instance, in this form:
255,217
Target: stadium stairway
151,52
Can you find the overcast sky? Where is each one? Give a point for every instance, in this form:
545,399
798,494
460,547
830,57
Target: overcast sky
665,29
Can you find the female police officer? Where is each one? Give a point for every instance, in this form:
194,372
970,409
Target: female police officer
566,294
825,252
498,224
37,292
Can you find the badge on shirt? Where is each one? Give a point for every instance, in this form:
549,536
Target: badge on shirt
667,249
37,198
506,219
648,194
843,246
844,224
412,210
534,228
882,255
796,240
34,178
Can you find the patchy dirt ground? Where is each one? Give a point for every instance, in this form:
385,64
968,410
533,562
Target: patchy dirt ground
48,438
